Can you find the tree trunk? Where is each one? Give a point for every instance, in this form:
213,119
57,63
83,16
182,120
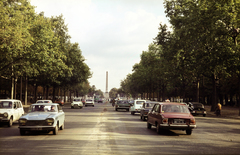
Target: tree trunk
47,92
26,85
214,94
21,87
15,87
197,95
35,92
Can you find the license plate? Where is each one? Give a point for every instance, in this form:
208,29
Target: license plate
179,121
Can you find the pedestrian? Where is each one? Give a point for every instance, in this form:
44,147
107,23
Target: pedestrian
113,102
218,109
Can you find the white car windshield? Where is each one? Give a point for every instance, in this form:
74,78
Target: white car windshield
6,105
89,100
43,108
76,99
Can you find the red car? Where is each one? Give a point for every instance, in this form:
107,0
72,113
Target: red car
171,116
59,101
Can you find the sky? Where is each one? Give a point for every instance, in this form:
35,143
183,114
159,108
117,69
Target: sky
111,33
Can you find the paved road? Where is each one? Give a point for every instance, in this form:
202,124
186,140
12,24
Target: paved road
101,130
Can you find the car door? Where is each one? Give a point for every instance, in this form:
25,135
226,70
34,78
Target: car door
155,114
61,115
15,111
150,115
20,109
142,109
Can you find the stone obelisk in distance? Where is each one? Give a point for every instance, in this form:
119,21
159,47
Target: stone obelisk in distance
106,93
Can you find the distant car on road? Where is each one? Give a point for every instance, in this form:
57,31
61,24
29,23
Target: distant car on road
171,116
42,117
89,102
77,103
100,100
59,101
44,101
122,104
197,108
147,106
10,111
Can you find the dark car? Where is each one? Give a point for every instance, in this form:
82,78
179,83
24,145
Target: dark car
145,109
197,109
122,104
100,100
171,116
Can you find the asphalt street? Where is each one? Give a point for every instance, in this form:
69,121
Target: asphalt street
101,130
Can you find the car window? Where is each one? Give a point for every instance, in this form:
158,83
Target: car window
43,108
89,100
122,102
5,105
77,100
175,108
155,108
17,103
197,105
148,105
139,102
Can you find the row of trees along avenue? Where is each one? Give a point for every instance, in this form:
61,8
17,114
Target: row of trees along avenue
196,59
37,50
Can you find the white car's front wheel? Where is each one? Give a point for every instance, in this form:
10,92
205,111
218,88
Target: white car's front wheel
55,131
10,122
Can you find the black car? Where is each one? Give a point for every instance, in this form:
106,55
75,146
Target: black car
122,104
197,108
145,109
100,101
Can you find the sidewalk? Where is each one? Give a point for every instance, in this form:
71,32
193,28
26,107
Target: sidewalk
227,112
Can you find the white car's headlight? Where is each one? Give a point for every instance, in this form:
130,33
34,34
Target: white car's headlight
5,115
50,121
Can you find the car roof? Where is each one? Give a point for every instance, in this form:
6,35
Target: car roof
45,104
9,100
152,102
170,103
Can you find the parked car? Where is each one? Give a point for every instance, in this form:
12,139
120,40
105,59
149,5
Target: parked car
197,108
10,111
59,101
42,117
122,104
44,101
171,116
147,106
89,102
77,103
136,106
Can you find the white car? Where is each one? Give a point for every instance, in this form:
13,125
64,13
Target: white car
42,117
136,106
77,103
89,102
44,101
10,111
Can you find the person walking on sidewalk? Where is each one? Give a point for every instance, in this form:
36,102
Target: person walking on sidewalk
218,109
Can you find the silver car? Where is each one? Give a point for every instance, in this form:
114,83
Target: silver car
42,117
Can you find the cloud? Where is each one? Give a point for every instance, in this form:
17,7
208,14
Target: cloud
111,34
